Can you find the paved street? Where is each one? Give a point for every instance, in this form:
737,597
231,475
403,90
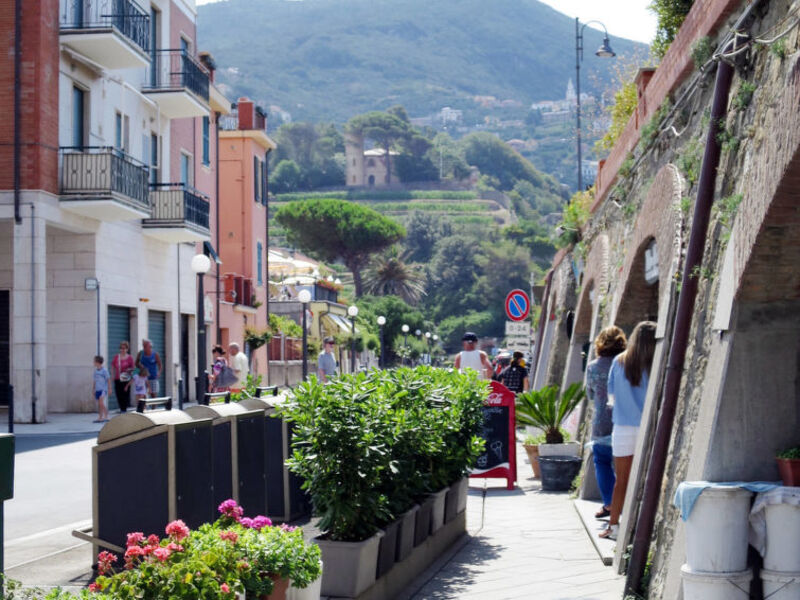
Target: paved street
523,544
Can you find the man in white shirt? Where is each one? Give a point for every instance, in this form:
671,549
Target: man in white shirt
240,366
471,358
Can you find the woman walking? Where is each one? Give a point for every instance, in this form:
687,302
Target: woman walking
608,344
627,388
122,365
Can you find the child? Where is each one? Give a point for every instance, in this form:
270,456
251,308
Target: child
100,389
141,386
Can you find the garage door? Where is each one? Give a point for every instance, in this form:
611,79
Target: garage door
118,325
157,334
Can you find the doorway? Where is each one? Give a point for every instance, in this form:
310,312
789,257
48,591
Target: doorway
184,362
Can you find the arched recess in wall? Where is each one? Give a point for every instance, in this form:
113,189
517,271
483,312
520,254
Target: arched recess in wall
654,255
594,284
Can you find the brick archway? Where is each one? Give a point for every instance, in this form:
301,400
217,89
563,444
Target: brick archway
659,219
594,281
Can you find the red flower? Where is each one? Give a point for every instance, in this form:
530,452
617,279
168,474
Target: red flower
228,535
135,538
153,540
177,530
225,589
162,554
104,562
93,587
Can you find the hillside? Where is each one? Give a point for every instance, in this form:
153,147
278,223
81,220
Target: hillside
327,60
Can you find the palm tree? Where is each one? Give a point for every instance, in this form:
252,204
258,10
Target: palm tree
389,274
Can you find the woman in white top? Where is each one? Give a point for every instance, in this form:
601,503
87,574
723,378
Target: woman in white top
471,358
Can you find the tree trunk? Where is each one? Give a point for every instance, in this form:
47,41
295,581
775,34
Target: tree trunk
357,282
388,166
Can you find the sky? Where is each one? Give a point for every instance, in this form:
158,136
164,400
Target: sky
625,18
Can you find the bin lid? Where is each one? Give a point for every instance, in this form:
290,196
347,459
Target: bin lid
219,411
134,422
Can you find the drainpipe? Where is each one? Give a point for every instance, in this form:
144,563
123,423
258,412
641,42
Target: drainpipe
216,225
542,324
33,316
17,107
266,227
680,335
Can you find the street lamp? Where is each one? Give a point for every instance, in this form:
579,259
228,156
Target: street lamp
305,297
352,312
435,340
382,359
428,344
405,329
604,51
201,264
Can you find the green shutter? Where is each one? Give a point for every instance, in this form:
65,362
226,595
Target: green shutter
118,325
157,334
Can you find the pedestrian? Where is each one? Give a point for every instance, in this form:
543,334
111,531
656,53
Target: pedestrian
217,367
100,389
326,362
515,375
141,384
240,366
609,343
121,365
149,360
627,387
502,361
472,358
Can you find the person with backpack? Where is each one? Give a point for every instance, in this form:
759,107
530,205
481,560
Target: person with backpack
515,375
222,376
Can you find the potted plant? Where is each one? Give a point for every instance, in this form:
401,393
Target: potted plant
547,409
789,466
531,445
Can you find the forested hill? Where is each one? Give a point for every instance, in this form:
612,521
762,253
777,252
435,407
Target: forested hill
326,60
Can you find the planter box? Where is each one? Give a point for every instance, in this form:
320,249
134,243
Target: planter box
387,550
463,493
568,449
405,536
423,524
349,566
532,450
311,592
451,501
437,514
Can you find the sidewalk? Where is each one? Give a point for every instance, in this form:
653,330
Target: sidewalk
523,544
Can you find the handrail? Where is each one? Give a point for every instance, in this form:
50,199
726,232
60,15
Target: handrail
126,16
101,150
176,68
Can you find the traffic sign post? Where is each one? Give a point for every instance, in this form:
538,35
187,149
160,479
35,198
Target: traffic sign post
518,305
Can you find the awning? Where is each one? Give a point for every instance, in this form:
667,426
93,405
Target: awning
334,322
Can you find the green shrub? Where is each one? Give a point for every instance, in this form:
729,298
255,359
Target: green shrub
547,408
791,453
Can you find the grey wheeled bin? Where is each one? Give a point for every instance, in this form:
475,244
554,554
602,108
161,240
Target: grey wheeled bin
285,500
238,464
149,469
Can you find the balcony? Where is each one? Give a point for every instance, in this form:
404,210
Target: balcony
113,33
179,84
180,214
239,290
252,120
103,183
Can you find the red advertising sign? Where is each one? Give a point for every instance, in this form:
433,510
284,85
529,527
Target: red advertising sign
499,458
518,305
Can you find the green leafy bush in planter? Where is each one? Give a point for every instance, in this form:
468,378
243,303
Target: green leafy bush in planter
791,453
235,554
368,445
547,408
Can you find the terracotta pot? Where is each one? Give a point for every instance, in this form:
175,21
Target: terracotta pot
278,590
789,469
533,458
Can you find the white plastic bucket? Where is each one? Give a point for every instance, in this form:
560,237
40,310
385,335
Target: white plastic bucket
783,538
780,586
715,586
717,531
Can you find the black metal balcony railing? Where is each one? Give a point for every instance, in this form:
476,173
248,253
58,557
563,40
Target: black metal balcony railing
231,122
124,15
177,70
103,171
179,203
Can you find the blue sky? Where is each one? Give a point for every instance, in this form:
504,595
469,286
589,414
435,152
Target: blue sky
625,18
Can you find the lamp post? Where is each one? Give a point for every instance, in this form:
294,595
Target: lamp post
428,345
201,264
352,312
305,297
382,359
604,51
405,329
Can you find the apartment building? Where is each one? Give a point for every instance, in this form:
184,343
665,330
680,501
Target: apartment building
116,123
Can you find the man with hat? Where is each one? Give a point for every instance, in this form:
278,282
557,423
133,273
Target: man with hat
472,358
326,363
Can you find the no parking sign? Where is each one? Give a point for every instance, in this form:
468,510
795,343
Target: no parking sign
518,305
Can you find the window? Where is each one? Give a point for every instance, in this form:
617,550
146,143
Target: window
256,178
122,132
206,153
260,262
186,169
154,144
78,117
264,182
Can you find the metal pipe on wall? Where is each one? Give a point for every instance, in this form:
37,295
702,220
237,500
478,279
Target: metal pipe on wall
33,316
681,331
216,226
17,108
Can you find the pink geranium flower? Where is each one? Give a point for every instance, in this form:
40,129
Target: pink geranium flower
177,530
225,588
229,535
261,521
104,561
231,509
135,538
162,554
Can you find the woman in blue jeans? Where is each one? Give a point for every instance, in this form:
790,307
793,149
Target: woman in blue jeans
608,344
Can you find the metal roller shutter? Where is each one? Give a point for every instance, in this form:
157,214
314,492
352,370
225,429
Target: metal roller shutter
118,324
157,334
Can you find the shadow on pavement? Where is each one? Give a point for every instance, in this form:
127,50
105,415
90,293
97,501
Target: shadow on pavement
26,442
459,574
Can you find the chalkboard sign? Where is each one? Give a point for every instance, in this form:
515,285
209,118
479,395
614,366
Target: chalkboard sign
499,458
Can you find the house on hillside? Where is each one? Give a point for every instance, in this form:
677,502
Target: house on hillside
367,168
